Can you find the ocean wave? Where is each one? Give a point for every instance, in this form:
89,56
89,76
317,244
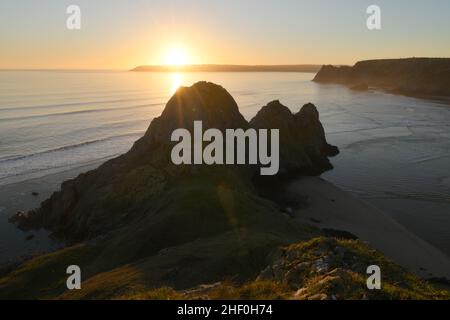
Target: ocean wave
50,170
60,114
75,94
68,147
70,104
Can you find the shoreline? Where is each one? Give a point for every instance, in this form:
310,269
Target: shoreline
17,196
443,100
328,208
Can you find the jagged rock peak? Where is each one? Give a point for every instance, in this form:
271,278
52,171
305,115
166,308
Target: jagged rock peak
204,101
133,185
303,146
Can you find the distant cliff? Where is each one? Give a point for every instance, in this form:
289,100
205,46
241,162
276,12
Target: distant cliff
230,68
428,77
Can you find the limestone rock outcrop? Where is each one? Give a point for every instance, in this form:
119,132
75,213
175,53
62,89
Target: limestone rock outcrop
134,185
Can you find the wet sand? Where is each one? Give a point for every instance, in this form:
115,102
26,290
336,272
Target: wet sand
330,207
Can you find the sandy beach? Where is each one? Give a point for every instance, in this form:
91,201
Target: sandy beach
330,207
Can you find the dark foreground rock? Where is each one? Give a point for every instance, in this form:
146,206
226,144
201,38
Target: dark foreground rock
427,77
318,269
336,269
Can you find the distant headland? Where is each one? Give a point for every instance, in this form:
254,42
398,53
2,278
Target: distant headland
421,77
308,68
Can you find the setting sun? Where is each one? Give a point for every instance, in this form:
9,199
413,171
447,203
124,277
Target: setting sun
176,57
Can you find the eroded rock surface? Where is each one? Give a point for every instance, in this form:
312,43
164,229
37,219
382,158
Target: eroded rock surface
135,184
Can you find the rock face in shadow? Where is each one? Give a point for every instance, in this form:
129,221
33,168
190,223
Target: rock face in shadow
128,186
303,147
426,77
188,224
204,101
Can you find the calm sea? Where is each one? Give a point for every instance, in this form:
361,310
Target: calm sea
395,151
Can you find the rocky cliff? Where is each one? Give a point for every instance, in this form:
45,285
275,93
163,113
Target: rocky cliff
427,77
129,187
177,225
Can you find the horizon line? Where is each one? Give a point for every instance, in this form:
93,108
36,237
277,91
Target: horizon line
171,67
229,68
180,68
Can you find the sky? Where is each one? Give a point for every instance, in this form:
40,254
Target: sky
119,34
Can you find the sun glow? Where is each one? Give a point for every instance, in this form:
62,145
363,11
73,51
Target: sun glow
176,57
176,82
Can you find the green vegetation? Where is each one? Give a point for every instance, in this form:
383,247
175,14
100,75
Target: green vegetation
45,274
255,290
338,281
329,268
320,268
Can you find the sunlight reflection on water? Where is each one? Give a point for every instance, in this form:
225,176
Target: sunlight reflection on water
176,82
